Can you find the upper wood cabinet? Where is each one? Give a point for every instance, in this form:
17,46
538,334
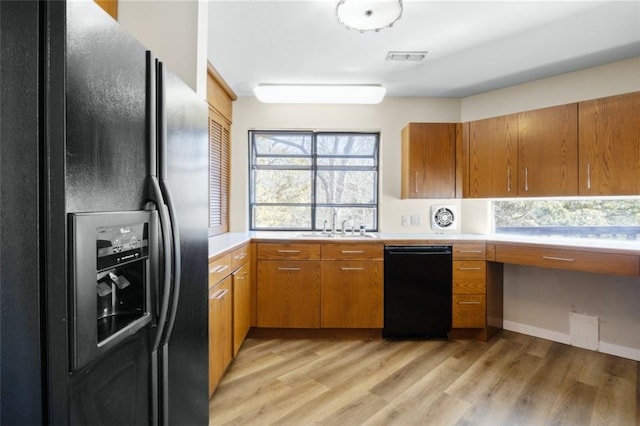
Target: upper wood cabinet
532,153
493,145
220,98
429,160
609,139
548,151
109,6
219,172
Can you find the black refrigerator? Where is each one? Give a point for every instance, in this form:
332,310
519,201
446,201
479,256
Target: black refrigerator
103,227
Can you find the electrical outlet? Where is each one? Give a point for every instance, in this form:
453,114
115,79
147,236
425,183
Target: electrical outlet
416,220
405,220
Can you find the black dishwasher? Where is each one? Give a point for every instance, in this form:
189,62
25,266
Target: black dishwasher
417,292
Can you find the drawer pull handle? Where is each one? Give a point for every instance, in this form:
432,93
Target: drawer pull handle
352,269
241,256
288,251
469,269
288,269
469,251
218,269
219,294
469,303
352,251
561,259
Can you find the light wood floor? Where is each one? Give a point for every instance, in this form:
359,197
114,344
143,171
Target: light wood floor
512,380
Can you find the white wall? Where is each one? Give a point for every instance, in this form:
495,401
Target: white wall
597,82
537,301
389,118
176,32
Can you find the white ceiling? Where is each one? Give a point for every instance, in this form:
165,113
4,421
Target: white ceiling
474,46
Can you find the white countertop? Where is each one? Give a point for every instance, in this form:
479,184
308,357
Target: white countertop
229,241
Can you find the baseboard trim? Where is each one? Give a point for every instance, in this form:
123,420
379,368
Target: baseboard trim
621,351
555,336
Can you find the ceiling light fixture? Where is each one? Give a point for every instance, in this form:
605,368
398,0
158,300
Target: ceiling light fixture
319,93
368,15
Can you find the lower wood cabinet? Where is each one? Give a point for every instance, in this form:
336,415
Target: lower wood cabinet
469,294
352,294
469,286
288,294
241,305
328,285
220,330
477,292
230,298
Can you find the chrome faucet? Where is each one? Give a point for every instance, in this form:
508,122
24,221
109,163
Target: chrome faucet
333,221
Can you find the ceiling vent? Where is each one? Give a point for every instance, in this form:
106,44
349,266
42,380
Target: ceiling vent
412,56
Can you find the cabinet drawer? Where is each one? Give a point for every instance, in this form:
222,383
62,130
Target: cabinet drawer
219,268
604,263
469,311
239,257
292,251
356,251
469,251
469,277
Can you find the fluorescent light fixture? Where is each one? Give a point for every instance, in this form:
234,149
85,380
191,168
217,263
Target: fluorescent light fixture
319,93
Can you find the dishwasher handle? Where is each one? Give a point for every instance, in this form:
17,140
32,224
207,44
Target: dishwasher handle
392,250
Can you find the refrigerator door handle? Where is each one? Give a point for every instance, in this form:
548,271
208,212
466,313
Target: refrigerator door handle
176,255
151,114
167,250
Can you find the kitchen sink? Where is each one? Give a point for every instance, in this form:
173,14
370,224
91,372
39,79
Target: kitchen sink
337,235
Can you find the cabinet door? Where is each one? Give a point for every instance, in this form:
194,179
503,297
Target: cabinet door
241,305
288,294
548,151
609,144
219,331
219,172
352,294
493,157
429,160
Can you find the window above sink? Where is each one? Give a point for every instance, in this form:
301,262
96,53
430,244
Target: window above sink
313,181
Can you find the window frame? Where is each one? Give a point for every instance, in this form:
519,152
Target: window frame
313,204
